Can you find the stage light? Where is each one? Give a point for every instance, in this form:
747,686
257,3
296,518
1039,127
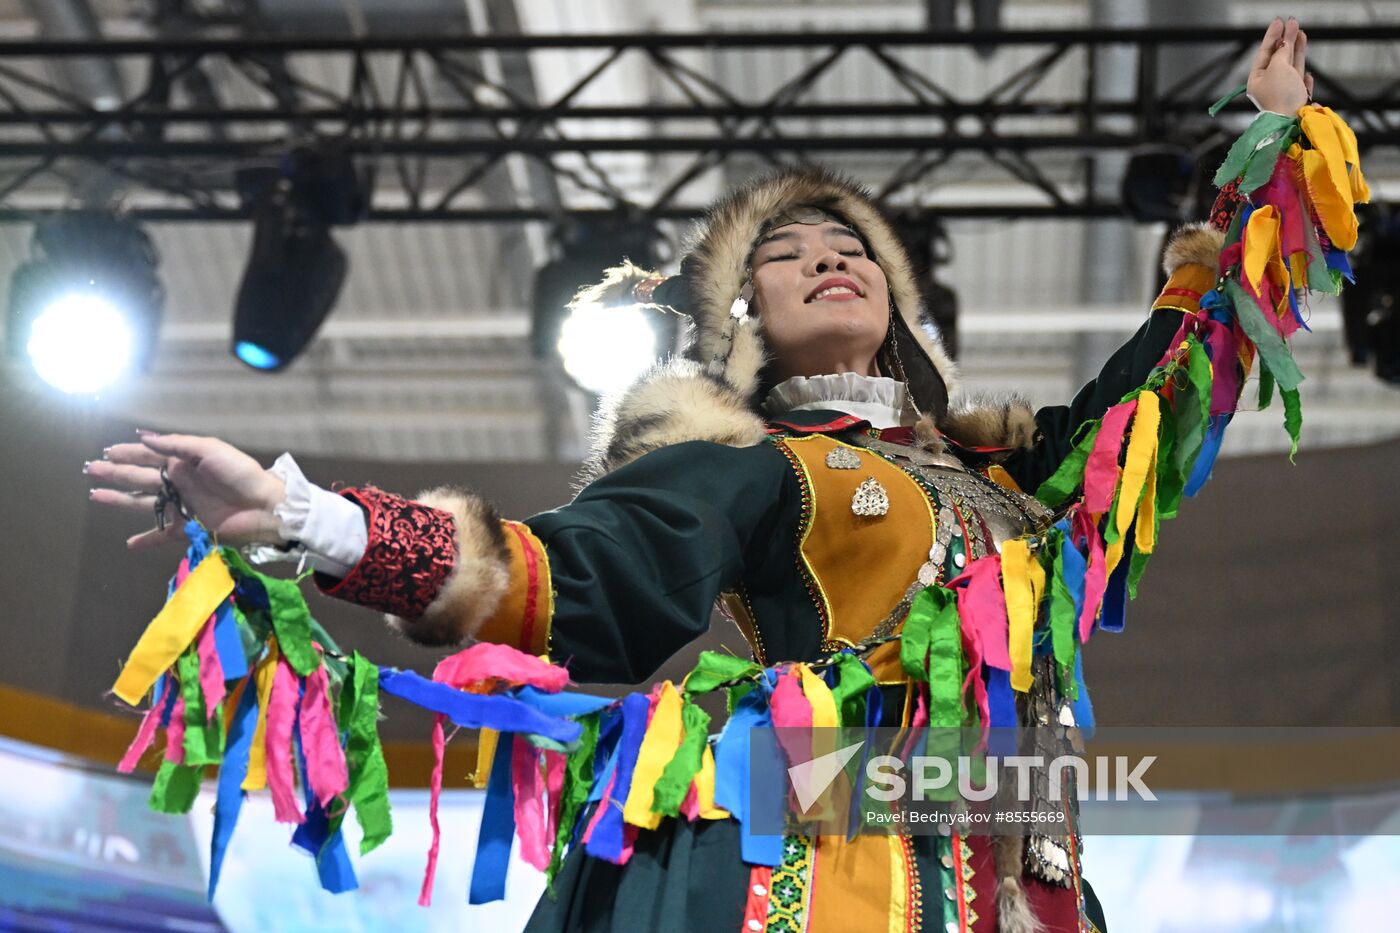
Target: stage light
80,343
605,349
602,349
295,269
86,307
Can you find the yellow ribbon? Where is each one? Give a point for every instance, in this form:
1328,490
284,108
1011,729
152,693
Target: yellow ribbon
1262,253
824,715
1332,168
1140,461
1023,581
663,737
173,628
256,778
705,788
1145,537
485,756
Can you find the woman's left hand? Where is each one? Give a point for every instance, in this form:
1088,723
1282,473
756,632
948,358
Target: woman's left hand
1279,79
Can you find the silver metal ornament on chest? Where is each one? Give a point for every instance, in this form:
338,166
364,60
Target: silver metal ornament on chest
870,500
843,458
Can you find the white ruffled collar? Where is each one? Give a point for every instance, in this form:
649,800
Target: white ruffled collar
877,399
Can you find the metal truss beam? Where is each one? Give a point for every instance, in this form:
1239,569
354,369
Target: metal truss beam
433,125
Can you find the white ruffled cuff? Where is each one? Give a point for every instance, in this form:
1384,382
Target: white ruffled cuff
329,529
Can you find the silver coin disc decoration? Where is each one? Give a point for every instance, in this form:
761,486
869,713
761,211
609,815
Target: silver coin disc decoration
870,499
843,458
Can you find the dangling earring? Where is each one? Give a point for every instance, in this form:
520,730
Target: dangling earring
896,365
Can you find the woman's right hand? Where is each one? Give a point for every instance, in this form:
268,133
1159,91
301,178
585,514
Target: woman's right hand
227,490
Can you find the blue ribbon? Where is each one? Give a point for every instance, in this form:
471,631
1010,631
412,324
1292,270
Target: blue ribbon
733,787
562,705
1115,597
333,867
1075,567
474,710
1001,705
874,712
1083,708
607,840
497,828
229,643
229,800
1337,261
1210,449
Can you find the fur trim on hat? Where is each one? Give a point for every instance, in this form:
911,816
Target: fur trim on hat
717,263
1193,243
472,592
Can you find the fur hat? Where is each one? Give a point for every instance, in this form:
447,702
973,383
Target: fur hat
715,269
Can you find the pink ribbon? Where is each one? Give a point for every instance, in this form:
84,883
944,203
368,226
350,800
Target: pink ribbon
425,895
1096,574
982,609
555,764
690,807
530,820
281,719
326,770
1101,471
211,669
175,729
145,735
484,663
1225,387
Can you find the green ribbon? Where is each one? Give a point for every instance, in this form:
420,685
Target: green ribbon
1266,387
1251,159
1062,616
853,681
358,718
204,735
1170,484
1225,101
1292,418
291,620
714,669
175,787
578,784
1070,473
1272,349
930,649
673,785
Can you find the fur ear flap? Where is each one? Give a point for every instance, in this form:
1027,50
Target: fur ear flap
617,288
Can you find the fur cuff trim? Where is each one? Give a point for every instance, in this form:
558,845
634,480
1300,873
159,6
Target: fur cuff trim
676,402
992,422
1194,243
479,578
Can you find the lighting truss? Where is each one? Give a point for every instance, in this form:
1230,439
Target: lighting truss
429,117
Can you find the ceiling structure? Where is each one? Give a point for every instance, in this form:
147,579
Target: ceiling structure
426,359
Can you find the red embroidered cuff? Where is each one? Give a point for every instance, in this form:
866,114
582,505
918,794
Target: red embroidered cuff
412,550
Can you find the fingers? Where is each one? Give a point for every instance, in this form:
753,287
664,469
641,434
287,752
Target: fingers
130,478
1268,45
127,501
135,455
1300,53
155,538
1308,83
185,446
